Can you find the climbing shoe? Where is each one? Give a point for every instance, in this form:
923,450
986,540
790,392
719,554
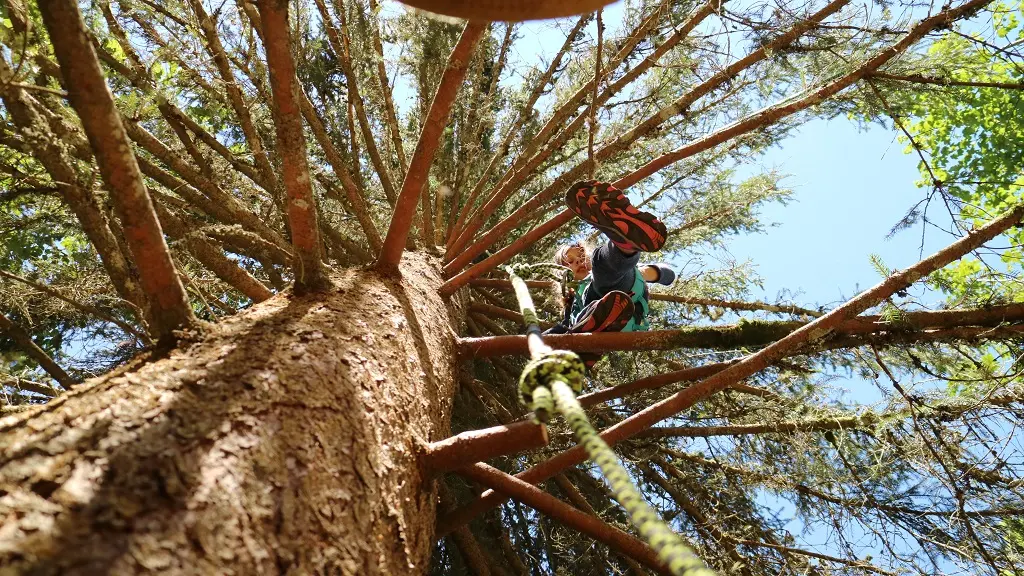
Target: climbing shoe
607,209
609,314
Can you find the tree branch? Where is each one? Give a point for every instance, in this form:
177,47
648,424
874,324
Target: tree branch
24,341
340,45
430,137
356,201
922,79
778,111
385,90
750,365
478,445
514,130
528,161
22,384
565,514
213,257
621,143
735,305
92,100
235,96
750,334
291,145
128,328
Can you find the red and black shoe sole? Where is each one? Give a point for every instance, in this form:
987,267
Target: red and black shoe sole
609,314
607,209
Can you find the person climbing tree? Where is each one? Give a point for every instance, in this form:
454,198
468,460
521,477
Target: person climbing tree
612,294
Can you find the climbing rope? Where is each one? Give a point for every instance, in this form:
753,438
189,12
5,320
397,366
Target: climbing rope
551,381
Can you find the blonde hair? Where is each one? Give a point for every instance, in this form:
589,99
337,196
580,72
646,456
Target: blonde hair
563,251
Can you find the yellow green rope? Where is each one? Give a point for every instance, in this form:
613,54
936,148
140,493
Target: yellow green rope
551,381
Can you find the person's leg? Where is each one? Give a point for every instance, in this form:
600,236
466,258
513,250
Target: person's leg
612,269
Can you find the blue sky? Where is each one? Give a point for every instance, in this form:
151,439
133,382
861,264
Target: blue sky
850,187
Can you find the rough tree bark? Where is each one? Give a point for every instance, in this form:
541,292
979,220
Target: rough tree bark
284,441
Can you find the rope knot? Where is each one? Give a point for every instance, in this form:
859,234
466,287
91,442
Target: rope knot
535,381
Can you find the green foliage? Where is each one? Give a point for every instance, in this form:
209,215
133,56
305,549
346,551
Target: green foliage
971,137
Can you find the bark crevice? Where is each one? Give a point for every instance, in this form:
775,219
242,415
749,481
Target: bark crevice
284,440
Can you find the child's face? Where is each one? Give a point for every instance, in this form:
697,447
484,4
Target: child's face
577,260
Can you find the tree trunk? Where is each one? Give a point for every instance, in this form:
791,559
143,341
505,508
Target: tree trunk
284,440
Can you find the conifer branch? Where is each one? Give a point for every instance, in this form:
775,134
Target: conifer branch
211,256
291,146
45,146
564,514
88,309
423,157
529,160
746,367
339,41
220,205
29,385
514,130
699,518
776,112
735,305
384,87
235,97
922,79
760,333
23,341
87,90
622,143
477,120
356,200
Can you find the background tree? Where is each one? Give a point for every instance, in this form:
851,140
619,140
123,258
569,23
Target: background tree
288,292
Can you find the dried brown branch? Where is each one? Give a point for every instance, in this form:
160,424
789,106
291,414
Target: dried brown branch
565,514
735,305
506,253
750,365
23,341
492,310
385,90
235,96
700,519
515,128
356,201
211,256
430,137
291,146
169,309
128,328
340,44
29,385
478,445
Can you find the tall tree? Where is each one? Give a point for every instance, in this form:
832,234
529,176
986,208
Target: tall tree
260,245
